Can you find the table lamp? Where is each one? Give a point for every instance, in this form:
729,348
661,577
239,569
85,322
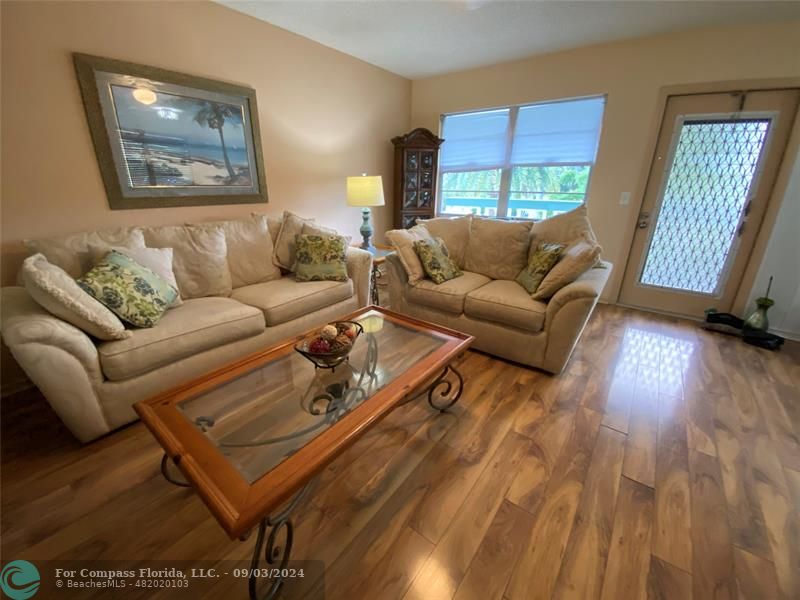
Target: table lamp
372,325
365,191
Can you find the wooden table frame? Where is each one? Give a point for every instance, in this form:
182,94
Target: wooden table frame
240,506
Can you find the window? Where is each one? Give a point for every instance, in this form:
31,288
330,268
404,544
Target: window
523,162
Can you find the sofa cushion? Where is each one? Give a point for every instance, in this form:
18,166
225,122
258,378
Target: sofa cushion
59,294
284,252
448,296
563,229
320,257
540,262
249,247
310,228
436,261
497,249
576,259
508,303
285,299
454,231
158,260
199,258
274,225
71,252
195,326
402,240
131,291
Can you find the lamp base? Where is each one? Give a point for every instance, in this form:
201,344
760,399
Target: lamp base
366,229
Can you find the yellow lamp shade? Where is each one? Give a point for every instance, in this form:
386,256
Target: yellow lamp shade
365,191
372,324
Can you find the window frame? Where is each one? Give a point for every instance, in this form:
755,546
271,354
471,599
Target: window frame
506,168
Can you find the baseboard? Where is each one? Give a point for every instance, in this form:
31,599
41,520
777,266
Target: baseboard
789,335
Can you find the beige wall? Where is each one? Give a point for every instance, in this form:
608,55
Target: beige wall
324,115
631,73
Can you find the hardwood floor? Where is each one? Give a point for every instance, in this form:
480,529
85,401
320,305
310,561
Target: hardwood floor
664,463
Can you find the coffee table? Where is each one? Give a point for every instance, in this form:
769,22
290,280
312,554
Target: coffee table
250,437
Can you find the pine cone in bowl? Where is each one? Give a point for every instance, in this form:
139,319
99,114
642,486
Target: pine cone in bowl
330,345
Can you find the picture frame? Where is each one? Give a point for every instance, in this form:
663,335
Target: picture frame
166,139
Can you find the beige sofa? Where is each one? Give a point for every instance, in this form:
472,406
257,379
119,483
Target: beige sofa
504,319
92,385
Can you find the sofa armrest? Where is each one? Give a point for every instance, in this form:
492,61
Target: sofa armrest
359,269
24,321
60,359
567,313
588,286
397,282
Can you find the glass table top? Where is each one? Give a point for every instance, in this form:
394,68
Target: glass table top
264,416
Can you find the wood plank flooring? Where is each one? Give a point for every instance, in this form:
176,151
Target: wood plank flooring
663,464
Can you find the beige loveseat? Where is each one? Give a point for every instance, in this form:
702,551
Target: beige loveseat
502,316
92,384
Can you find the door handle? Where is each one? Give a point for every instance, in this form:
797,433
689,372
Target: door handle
644,220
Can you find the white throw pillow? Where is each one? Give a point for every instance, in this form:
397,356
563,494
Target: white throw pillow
71,252
402,240
199,258
59,294
250,250
565,228
158,260
292,225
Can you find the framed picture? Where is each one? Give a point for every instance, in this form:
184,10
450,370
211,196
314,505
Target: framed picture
168,139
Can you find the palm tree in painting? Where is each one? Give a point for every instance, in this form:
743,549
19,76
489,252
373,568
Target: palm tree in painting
213,115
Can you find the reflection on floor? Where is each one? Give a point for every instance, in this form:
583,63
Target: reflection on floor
664,461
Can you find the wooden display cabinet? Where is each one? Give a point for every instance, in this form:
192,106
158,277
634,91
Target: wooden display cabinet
416,156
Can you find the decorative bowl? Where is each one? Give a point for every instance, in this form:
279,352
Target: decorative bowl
338,353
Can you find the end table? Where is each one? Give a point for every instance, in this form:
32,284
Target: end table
378,258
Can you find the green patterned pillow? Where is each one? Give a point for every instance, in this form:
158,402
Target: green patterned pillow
320,258
133,292
540,262
436,261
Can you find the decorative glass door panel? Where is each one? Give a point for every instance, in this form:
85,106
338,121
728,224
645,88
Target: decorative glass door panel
714,164
709,185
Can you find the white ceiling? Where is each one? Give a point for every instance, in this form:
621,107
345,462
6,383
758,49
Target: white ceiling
429,37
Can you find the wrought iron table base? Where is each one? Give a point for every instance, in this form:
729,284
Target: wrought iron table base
165,472
443,393
275,555
374,276
445,389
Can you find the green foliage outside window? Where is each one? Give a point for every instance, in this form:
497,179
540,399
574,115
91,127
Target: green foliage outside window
534,191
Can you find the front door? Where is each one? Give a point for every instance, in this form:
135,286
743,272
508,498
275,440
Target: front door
716,160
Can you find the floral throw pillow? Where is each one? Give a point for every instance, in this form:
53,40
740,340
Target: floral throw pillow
320,258
540,261
435,260
133,292
578,257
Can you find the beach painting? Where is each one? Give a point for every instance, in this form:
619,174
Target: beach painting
167,139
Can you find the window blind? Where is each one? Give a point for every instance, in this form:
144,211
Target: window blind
557,133
474,140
